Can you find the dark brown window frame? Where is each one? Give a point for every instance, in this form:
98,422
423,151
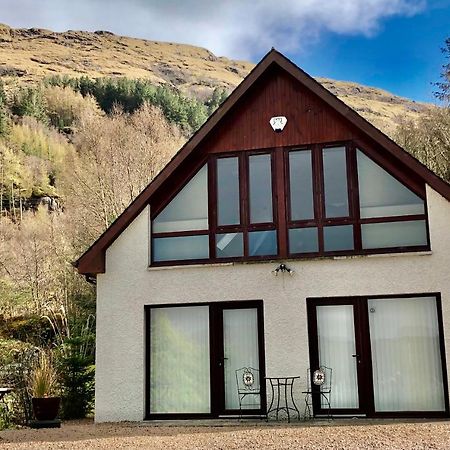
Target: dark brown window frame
281,206
363,347
217,391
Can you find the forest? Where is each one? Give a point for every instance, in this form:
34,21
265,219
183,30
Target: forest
74,152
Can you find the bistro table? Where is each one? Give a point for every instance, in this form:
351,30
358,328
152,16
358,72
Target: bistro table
284,387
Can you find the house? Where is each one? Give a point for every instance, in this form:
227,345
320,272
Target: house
282,173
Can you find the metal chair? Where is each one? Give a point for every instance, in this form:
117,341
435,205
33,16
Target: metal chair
248,383
319,384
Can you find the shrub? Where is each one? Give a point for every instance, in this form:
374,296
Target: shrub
77,373
16,361
43,379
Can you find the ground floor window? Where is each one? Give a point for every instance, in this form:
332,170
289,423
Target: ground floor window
386,353
193,355
179,360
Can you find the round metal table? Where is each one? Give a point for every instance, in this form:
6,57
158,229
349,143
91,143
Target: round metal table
284,388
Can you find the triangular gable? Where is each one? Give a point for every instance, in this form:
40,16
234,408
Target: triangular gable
93,260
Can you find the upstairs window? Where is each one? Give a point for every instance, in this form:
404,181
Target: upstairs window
244,204
335,182
391,214
300,202
180,230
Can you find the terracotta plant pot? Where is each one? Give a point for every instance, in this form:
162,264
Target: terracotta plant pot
46,408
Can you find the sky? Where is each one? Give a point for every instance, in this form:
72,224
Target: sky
391,44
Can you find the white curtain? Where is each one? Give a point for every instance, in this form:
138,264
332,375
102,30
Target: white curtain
240,335
406,359
179,360
336,334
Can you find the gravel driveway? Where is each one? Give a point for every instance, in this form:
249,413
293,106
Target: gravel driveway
350,434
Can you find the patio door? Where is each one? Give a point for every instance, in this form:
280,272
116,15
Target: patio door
193,352
335,342
241,344
386,354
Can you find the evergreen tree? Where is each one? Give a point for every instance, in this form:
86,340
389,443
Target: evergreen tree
30,102
217,98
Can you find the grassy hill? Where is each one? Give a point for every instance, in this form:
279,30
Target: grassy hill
32,54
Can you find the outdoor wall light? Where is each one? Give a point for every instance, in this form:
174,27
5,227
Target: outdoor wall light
283,269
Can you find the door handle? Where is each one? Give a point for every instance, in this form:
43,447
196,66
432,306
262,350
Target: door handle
222,361
358,358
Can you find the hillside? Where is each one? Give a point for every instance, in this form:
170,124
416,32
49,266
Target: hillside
32,54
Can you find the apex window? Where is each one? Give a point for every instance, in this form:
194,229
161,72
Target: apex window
298,202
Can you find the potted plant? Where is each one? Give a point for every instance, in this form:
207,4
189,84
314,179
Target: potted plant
43,385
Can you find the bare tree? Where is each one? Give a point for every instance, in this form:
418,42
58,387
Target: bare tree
118,155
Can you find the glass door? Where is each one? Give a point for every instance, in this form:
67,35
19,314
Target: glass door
337,350
335,344
193,353
386,354
242,341
406,355
179,360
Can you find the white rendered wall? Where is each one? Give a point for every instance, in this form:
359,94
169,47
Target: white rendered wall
129,284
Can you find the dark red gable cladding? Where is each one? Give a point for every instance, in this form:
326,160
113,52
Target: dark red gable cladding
274,87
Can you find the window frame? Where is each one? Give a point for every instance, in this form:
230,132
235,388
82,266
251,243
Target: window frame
281,204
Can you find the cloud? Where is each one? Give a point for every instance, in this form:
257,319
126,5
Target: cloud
235,28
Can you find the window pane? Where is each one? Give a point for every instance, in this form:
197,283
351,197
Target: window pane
301,185
303,240
262,243
229,244
228,191
338,238
406,356
394,234
179,248
336,336
189,209
381,195
335,182
240,347
179,360
260,173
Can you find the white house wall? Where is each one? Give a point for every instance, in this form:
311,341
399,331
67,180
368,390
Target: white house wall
129,284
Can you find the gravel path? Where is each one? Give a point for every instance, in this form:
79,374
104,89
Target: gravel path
349,434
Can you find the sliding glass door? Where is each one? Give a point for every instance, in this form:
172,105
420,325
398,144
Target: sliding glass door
193,353
179,360
386,354
406,356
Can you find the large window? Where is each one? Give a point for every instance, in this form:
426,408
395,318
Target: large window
180,230
244,224
383,198
299,202
192,355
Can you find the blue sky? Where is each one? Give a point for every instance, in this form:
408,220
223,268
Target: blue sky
403,57
391,44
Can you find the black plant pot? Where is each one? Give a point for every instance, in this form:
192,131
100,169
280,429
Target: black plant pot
46,408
